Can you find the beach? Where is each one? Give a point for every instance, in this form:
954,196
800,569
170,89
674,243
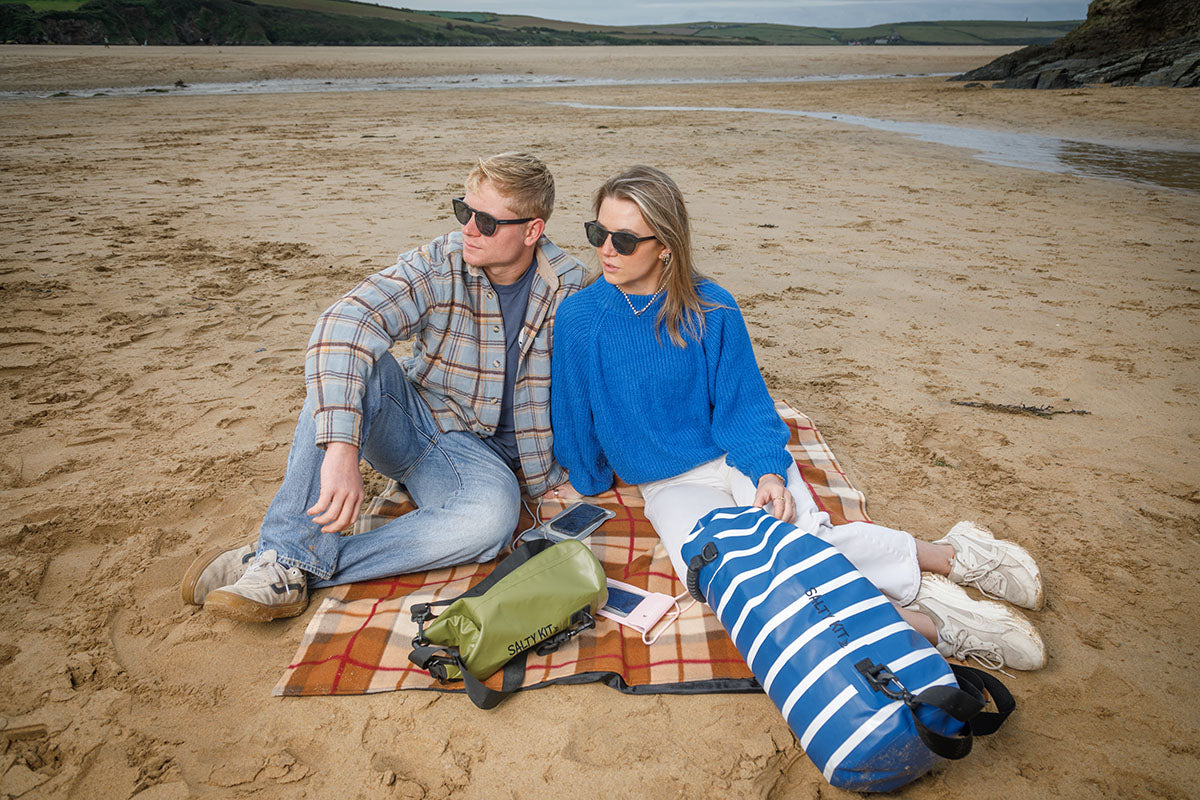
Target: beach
164,257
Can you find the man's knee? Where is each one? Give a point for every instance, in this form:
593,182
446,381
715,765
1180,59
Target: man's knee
488,519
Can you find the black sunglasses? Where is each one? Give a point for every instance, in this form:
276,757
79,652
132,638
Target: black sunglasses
484,221
624,243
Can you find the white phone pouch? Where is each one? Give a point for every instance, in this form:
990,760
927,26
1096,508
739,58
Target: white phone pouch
641,610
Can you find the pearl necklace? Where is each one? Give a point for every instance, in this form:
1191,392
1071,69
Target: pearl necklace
646,307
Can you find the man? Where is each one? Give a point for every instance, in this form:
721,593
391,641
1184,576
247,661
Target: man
454,422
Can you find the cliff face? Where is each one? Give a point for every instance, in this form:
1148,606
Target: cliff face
1123,42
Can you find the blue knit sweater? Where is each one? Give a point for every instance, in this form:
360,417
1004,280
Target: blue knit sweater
623,401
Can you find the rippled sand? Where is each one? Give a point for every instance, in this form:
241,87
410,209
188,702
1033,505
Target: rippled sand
164,257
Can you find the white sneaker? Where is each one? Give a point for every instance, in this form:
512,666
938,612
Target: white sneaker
1000,569
214,569
268,590
991,633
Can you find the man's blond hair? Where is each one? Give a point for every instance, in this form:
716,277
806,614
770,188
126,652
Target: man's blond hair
521,178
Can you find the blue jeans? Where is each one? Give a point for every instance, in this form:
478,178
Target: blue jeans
467,498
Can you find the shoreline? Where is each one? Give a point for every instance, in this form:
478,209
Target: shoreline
53,67
464,82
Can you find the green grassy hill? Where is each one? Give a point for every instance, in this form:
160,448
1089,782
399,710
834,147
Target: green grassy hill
346,22
961,32
956,32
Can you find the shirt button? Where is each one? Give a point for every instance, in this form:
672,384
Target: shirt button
491,295
495,363
495,329
495,400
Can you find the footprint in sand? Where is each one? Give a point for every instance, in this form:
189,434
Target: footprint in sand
239,425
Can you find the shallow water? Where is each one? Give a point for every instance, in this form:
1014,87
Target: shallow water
434,83
1173,169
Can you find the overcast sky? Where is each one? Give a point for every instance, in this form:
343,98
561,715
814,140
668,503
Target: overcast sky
822,13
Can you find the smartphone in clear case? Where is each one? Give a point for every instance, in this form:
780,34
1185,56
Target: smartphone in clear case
576,521
634,607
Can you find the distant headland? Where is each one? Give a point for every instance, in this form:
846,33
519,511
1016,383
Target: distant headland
343,22
1122,42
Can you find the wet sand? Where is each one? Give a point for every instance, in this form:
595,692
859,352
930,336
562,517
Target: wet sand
164,258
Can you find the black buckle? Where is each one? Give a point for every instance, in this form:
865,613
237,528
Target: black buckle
881,679
428,659
420,614
437,670
580,621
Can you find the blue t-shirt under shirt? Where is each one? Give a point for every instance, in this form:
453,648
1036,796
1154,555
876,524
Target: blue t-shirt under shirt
514,299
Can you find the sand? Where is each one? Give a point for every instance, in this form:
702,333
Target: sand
164,258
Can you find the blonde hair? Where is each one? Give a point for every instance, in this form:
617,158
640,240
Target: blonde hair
521,178
663,209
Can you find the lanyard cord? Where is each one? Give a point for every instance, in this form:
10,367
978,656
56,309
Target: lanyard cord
671,619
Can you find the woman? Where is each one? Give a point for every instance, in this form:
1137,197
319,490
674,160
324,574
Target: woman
654,377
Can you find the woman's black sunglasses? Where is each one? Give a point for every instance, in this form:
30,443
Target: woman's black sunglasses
624,243
484,221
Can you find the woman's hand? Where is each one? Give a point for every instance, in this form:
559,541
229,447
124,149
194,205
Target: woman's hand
564,492
774,498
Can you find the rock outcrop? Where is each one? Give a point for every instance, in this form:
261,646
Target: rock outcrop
1123,42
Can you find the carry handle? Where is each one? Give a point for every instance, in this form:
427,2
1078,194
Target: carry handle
964,703
515,559
706,556
986,722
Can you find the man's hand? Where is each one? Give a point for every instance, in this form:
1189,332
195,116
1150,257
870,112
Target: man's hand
341,488
774,498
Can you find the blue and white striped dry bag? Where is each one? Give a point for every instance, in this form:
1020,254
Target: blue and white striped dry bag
871,702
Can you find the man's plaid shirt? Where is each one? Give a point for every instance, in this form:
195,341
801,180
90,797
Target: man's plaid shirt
452,314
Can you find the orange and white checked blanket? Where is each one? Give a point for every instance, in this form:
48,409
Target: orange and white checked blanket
359,638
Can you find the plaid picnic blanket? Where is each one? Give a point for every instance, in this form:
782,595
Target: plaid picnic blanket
359,639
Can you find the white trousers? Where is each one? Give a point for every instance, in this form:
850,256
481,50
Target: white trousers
886,557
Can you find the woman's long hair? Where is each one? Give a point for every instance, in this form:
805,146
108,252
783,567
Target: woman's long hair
661,204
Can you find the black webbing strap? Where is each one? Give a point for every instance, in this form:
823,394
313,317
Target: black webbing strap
421,612
964,703
515,559
986,722
434,658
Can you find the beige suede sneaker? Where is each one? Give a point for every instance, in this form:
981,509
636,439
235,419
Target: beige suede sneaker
990,633
214,569
1000,569
268,590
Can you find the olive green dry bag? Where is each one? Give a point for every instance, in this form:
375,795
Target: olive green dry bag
538,597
